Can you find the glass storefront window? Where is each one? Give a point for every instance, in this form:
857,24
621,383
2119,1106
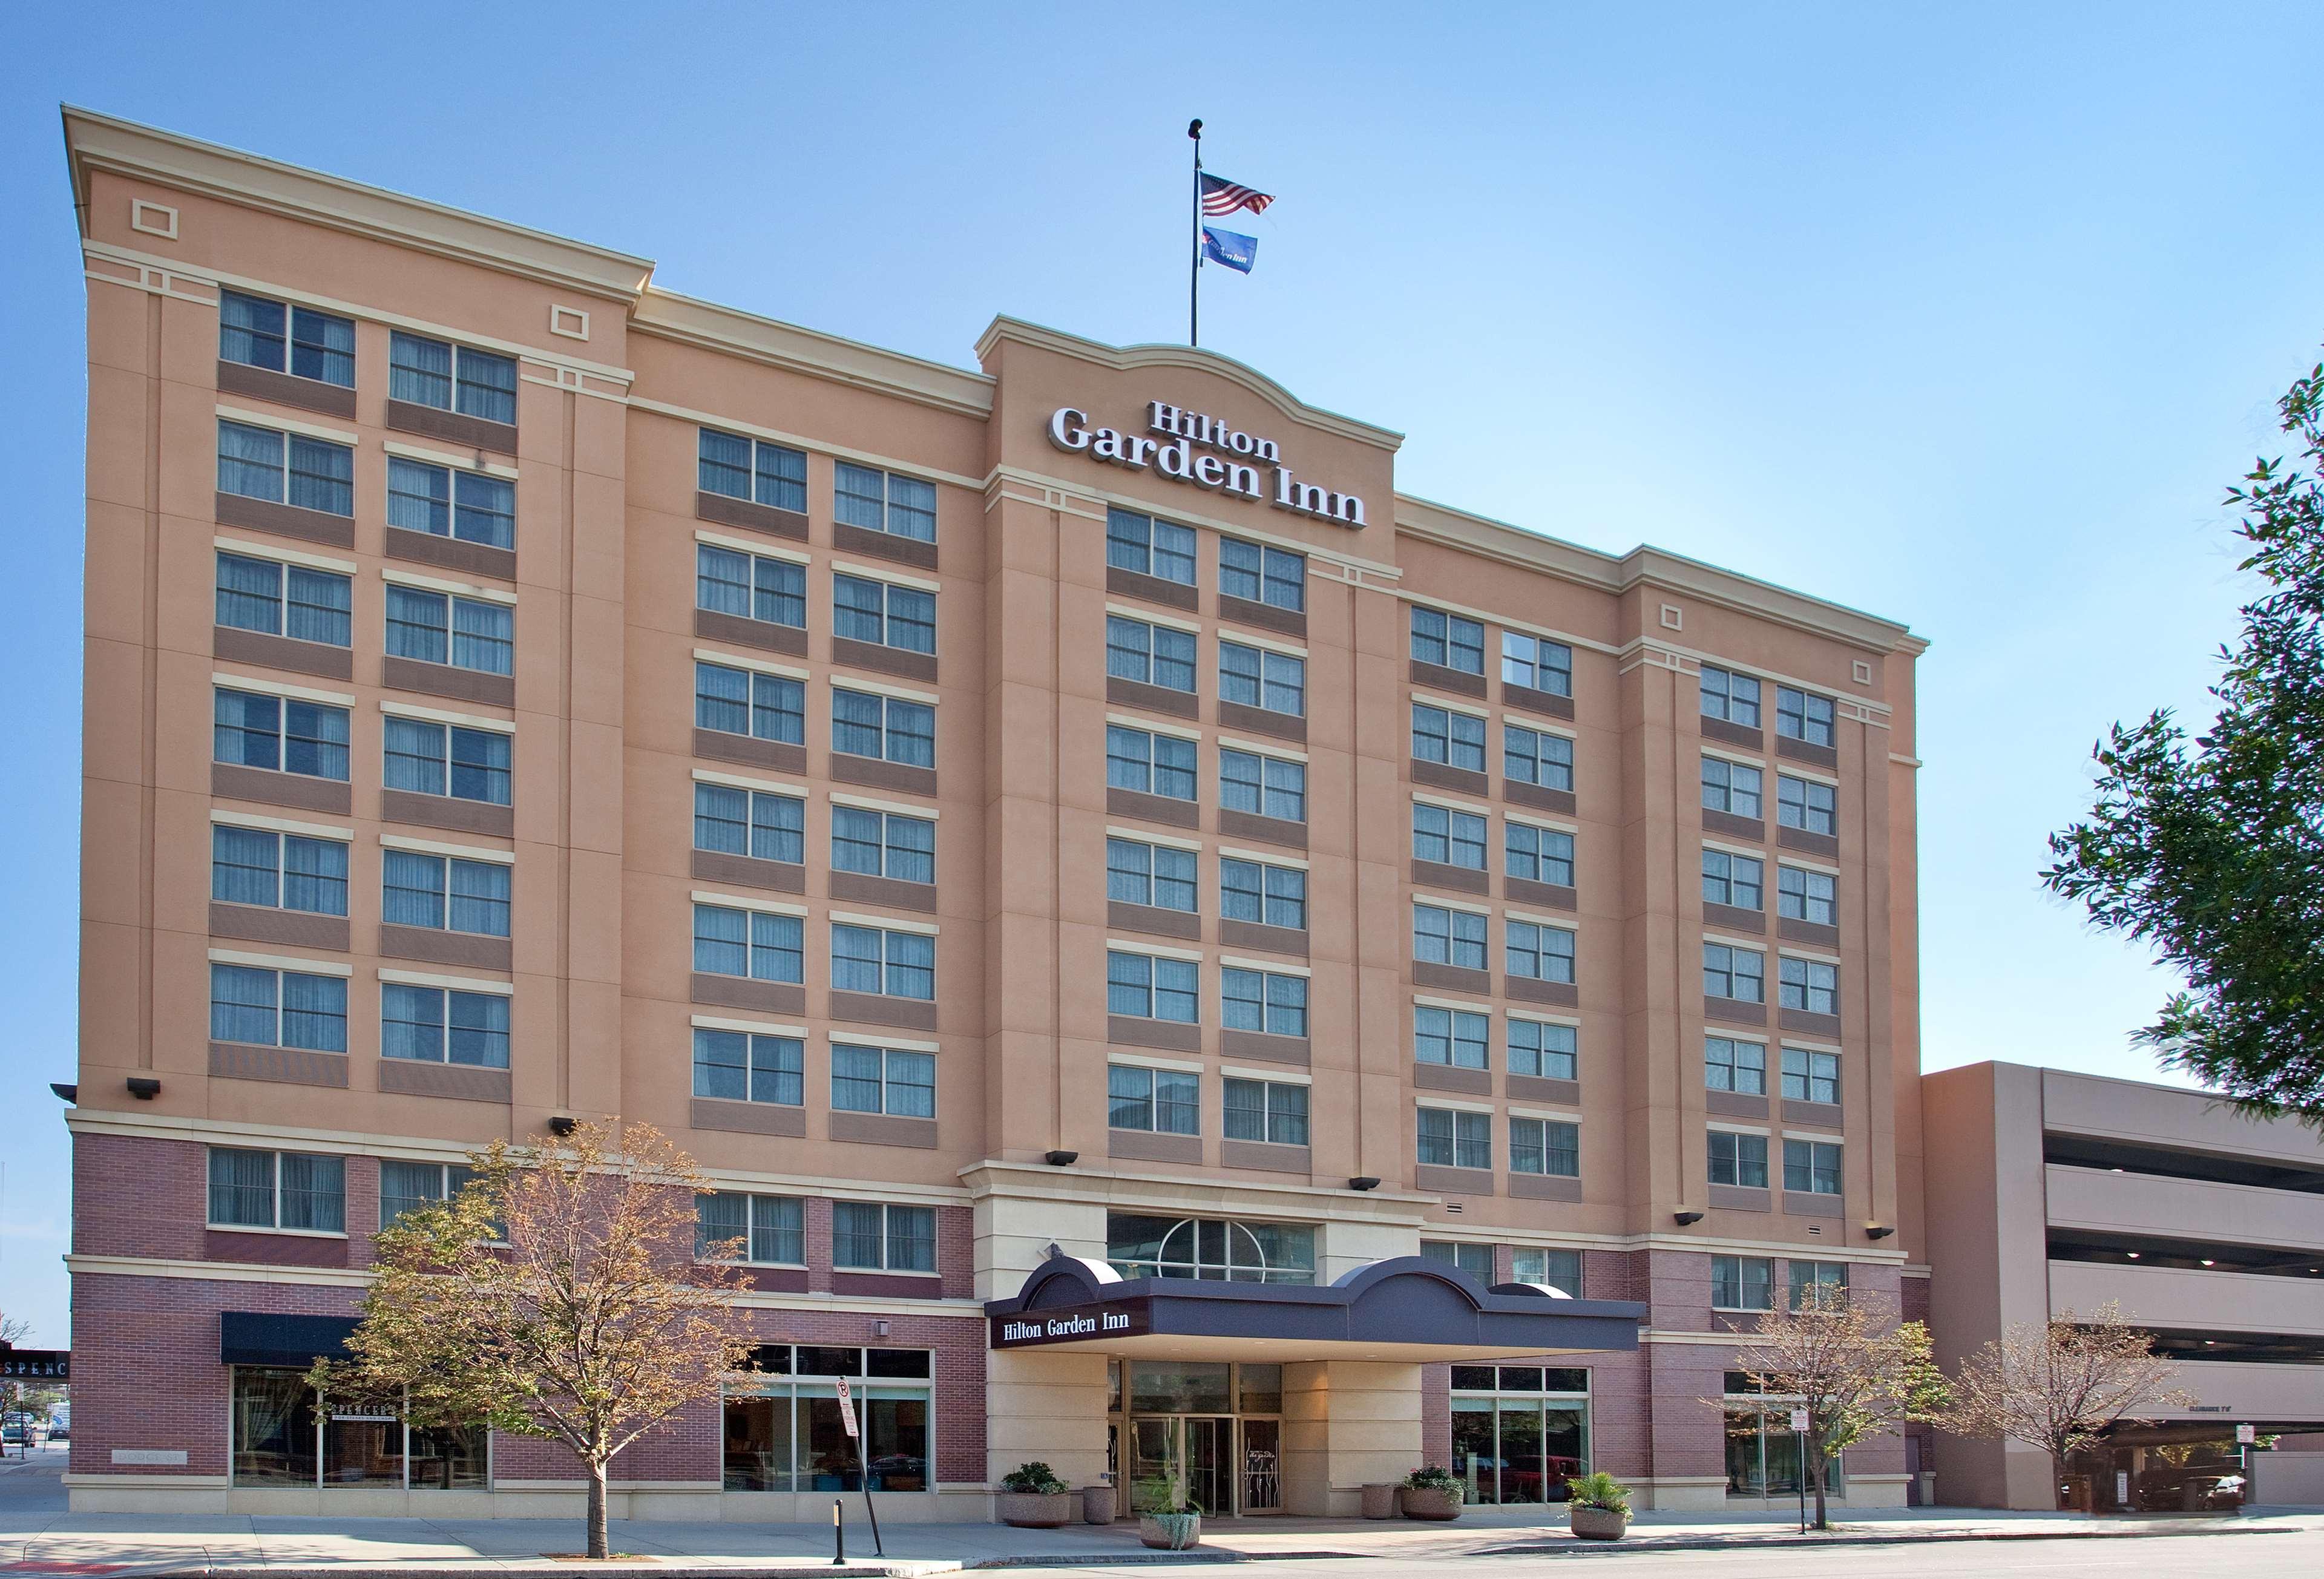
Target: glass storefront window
1180,1388
448,1458
1515,1439
1763,1454
1260,1388
273,1428
1143,1246
363,1447
281,1440
782,1429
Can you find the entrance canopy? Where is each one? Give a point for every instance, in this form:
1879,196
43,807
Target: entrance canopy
1407,1309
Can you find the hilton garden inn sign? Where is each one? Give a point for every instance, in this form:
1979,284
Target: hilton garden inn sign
1230,461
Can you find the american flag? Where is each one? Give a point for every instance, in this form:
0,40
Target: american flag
1221,196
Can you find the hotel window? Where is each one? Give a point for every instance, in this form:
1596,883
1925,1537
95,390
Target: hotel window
1456,1138
1557,1269
1742,1282
1447,641
1443,936
1447,837
1730,786
1730,695
1543,954
1262,575
1143,1246
1544,1146
1801,895
898,1081
734,1065
1166,1102
1255,677
876,501
468,507
872,1238
750,586
776,477
1146,763
1763,1457
406,1187
284,600
1807,805
765,826
1476,1259
1510,1443
1535,756
278,1189
1270,1002
1536,663
1537,855
745,701
1150,547
265,1008
865,724
1811,985
1544,1049
444,893
464,633
1803,715
764,946
1262,786
1158,876
286,468
284,339
875,959
444,759
278,872
1441,736
1144,986
451,378
1811,1283
884,843
1741,1160
1739,973
1460,1038
785,1433
1728,1065
435,1025
1271,896
885,615
767,1231
1810,1077
280,735
1811,1167
1271,1111
1734,881
1150,655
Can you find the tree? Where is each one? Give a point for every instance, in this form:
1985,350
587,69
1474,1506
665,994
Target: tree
2211,852
22,1399
1856,1373
2061,1387
560,1294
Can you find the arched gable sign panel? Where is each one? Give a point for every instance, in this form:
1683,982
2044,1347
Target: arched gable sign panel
1402,1309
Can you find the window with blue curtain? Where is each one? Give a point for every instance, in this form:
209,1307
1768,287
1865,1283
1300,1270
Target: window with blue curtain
750,586
467,506
764,945
259,463
735,821
1263,1000
1535,756
778,477
884,614
1253,677
283,600
287,1009
1255,573
883,502
1263,786
250,461
895,1081
435,627
1148,547
732,1065
430,373
1149,763
1143,986
437,1025
322,477
741,701
255,866
1457,1038
871,959
867,725
320,346
1543,1049
882,844
279,733
440,759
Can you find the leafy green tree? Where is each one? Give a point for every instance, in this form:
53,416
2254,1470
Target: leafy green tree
2211,850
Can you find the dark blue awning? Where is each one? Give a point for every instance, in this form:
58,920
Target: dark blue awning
250,1337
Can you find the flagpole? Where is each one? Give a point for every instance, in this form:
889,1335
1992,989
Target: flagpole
1194,266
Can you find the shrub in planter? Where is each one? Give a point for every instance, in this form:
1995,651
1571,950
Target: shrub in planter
1432,1492
1032,1497
1597,1506
1167,1521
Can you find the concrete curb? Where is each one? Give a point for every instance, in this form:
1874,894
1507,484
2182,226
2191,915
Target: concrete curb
1143,1557
1713,1542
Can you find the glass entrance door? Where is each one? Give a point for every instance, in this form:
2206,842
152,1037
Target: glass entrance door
1262,1466
1210,1463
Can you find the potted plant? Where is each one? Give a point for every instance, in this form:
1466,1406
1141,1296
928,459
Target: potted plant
1033,1498
1432,1492
1167,1521
1597,1506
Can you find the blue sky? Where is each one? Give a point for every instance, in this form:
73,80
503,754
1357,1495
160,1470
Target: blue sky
1960,314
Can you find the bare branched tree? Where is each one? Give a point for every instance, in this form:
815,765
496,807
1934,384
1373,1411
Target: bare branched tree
2063,1387
561,1295
1850,1365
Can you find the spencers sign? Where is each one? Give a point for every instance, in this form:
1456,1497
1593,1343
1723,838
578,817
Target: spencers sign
1069,1325
1230,463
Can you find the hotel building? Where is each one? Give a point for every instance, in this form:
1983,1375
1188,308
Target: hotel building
1175,955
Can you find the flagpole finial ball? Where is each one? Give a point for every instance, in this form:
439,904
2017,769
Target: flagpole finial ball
1195,130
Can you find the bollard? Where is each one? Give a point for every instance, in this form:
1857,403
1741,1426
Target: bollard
838,1535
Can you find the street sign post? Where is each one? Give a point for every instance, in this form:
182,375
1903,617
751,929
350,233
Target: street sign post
862,1469
1800,1436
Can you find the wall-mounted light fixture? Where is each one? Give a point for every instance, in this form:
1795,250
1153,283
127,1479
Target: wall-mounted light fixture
1363,1181
144,1087
1686,1219
1878,1230
1061,1159
65,1093
562,1124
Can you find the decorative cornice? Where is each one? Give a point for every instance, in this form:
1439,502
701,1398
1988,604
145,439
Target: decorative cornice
731,331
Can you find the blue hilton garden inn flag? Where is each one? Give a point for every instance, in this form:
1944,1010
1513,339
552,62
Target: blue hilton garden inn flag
1224,246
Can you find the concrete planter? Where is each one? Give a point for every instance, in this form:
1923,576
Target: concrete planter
1380,1499
1596,1523
1429,1503
1170,1532
1097,1504
1035,1510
